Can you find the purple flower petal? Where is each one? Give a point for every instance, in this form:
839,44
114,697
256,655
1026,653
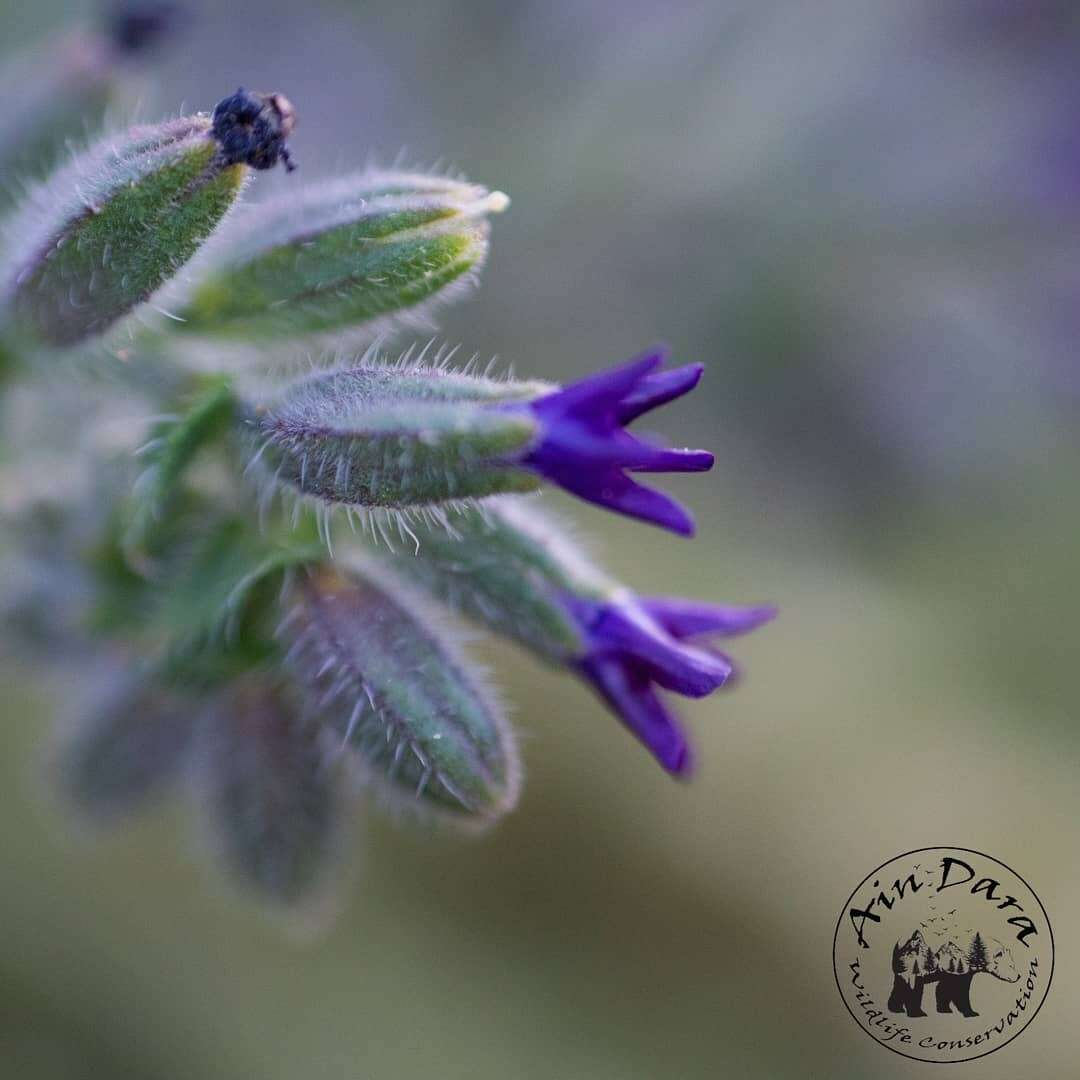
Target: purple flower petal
672,460
615,491
656,390
624,496
584,446
688,618
606,387
633,646
628,631
632,698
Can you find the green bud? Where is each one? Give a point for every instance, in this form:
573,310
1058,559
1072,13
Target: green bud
378,671
343,255
273,807
109,229
394,437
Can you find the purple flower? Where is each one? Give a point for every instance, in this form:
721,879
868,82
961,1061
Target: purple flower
636,645
585,448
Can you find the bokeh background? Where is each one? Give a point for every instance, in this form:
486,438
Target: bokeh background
863,218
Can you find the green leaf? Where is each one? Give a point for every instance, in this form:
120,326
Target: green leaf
174,443
219,596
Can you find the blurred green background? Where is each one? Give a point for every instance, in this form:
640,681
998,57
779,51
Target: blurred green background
863,218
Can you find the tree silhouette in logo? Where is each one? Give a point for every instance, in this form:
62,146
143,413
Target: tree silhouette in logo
941,959
977,959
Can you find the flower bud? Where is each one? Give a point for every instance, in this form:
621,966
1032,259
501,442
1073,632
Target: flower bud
273,806
394,437
415,437
516,572
109,229
127,746
342,256
378,671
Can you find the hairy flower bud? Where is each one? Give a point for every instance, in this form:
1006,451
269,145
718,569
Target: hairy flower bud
515,571
398,437
416,437
342,256
109,229
127,745
272,803
397,692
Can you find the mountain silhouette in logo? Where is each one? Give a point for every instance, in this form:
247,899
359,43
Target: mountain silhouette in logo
941,952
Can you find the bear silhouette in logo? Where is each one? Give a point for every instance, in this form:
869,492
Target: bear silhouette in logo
916,962
909,975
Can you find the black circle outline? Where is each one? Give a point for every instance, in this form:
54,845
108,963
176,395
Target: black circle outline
918,851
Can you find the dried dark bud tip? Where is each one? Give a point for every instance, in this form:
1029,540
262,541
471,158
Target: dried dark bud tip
252,128
138,27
